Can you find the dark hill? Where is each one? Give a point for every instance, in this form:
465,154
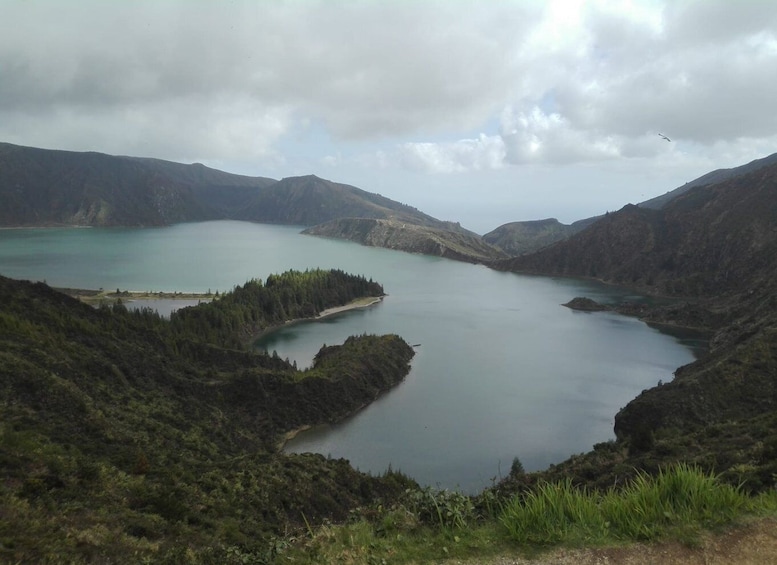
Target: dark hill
714,177
310,200
711,240
41,187
715,246
518,238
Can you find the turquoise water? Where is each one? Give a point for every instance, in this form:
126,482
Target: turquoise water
502,370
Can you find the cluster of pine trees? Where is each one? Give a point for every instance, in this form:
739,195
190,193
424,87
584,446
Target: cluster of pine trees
256,306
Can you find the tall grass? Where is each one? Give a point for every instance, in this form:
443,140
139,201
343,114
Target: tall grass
681,497
679,500
431,525
552,513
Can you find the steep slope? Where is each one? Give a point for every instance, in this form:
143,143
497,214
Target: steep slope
405,236
40,187
518,238
713,177
709,241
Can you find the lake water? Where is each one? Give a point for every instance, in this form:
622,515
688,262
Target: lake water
502,369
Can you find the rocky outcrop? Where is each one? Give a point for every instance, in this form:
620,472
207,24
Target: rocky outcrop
586,305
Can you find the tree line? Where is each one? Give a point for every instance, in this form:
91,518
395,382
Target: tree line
256,306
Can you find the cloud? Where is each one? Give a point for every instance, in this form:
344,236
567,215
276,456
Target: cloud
364,69
600,80
485,152
436,86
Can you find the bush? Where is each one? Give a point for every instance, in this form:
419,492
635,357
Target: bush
444,508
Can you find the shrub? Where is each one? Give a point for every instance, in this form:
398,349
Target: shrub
444,508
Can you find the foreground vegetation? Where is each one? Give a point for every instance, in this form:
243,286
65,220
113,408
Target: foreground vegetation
680,503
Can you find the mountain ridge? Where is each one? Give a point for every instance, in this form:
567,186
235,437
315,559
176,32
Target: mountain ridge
704,241
43,187
518,238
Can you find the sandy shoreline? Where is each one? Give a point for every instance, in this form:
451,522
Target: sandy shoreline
355,305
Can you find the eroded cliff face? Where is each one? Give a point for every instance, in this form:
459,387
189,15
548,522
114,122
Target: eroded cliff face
403,236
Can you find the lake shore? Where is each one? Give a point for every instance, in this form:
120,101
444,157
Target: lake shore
96,296
91,296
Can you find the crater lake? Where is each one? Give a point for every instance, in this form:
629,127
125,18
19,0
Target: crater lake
501,370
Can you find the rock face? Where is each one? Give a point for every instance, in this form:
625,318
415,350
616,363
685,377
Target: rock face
403,236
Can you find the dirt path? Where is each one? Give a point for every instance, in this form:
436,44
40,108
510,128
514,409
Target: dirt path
754,543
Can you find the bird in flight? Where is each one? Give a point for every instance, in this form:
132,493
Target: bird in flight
665,137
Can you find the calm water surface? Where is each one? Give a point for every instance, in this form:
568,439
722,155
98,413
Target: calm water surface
502,370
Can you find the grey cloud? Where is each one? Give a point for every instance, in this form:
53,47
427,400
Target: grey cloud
364,69
197,79
717,21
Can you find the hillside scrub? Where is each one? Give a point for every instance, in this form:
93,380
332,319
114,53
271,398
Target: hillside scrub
123,434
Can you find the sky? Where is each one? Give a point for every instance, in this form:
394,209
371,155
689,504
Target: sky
482,112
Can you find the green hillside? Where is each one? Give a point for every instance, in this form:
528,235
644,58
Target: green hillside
126,436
